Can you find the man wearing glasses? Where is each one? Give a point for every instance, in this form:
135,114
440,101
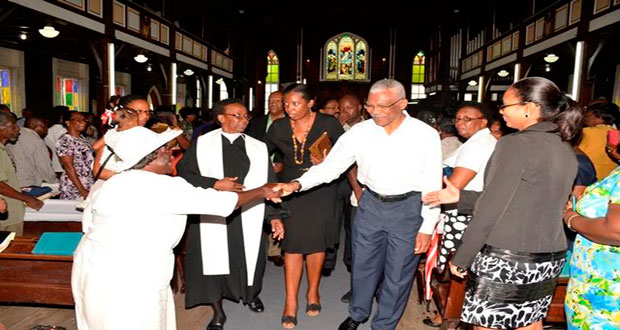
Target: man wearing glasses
398,159
226,256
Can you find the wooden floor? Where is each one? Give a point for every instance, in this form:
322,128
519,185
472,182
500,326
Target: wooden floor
24,318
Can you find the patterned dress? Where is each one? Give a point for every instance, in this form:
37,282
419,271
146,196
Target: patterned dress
83,158
593,293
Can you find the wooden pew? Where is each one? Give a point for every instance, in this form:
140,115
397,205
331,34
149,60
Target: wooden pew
30,278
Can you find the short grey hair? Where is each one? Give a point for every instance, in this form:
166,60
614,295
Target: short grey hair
388,84
6,118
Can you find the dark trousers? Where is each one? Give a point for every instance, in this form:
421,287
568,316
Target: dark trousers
383,243
348,227
343,209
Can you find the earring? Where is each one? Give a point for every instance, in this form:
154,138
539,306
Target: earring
526,115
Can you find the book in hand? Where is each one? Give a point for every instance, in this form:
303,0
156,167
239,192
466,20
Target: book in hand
42,193
57,243
321,146
5,239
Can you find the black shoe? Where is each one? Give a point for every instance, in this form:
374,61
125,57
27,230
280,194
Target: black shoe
326,272
349,324
430,323
278,261
256,305
346,298
217,323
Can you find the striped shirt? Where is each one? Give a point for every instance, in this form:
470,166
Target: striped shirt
32,159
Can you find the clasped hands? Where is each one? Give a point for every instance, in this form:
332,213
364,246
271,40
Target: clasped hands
271,191
283,189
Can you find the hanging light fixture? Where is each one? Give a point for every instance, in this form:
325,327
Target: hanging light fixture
503,73
472,83
547,67
551,58
140,58
149,67
48,31
188,72
23,36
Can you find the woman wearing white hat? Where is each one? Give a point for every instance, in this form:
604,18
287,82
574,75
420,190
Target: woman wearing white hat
123,264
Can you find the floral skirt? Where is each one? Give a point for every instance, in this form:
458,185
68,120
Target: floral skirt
593,293
510,289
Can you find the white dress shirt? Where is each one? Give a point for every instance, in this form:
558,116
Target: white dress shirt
407,160
474,155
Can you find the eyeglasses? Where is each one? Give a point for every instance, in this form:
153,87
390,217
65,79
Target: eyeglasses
504,106
465,119
239,115
130,110
381,107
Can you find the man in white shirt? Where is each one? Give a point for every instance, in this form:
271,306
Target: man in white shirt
398,159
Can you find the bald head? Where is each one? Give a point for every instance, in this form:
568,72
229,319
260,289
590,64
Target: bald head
350,109
37,124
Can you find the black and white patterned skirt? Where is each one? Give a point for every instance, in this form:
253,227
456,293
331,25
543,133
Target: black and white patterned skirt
508,289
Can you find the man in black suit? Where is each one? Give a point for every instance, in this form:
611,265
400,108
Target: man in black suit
258,126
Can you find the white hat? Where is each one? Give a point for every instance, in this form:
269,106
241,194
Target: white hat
132,145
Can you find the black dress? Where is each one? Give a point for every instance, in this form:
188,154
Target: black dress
313,217
205,289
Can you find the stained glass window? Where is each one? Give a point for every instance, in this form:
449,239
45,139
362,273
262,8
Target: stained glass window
346,51
273,76
68,93
5,87
360,61
331,64
346,57
417,77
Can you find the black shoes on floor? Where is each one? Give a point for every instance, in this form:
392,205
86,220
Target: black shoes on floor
256,305
346,297
349,324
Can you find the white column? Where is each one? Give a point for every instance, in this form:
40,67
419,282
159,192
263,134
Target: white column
517,71
111,70
577,71
251,101
173,83
210,91
480,88
198,93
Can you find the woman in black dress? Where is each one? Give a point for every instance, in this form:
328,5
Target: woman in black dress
312,213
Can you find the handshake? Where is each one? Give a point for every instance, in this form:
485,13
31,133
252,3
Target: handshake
274,191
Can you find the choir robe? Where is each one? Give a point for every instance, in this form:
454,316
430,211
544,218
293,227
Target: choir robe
241,276
124,263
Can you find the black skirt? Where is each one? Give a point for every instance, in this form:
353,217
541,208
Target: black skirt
510,289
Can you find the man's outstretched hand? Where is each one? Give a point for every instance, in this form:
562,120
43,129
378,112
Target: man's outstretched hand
273,192
289,188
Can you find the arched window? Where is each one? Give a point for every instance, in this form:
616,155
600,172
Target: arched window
417,77
273,76
346,57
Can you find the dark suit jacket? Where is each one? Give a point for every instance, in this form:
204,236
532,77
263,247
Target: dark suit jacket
257,128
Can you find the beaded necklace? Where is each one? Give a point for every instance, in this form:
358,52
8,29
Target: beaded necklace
299,161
